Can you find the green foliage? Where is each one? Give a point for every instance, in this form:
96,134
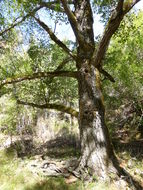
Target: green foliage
124,61
11,176
52,90
9,115
104,8
38,58
13,117
17,61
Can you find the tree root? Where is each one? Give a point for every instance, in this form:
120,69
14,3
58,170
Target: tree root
123,180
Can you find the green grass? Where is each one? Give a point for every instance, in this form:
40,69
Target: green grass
14,175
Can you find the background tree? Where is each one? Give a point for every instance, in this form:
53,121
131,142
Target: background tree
124,62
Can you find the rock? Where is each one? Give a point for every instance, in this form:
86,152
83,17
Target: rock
130,164
33,165
45,165
71,179
141,174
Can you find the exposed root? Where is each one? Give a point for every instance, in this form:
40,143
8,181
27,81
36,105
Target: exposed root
122,179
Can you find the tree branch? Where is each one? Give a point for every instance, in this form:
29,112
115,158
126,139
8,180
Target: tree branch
54,37
120,5
20,21
129,5
58,107
52,6
64,62
111,28
39,75
69,13
73,21
107,75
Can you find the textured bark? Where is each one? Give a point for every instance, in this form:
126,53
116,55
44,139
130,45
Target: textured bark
97,157
58,107
38,75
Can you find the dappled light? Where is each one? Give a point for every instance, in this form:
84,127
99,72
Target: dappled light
71,95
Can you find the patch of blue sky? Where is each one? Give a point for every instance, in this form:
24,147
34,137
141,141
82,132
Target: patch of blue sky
64,31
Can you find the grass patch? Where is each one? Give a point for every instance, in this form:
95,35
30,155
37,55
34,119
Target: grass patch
14,174
55,184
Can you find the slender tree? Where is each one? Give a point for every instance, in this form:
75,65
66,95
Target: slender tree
97,155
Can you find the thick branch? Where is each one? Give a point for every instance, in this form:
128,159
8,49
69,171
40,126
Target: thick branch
39,75
107,75
120,5
54,37
72,20
69,13
58,107
129,5
110,29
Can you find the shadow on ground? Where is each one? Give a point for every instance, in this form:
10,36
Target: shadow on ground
68,146
134,148
54,184
65,147
60,147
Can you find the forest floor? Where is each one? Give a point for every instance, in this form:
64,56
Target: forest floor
26,166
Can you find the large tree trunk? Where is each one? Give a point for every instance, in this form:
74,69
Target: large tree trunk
97,160
97,157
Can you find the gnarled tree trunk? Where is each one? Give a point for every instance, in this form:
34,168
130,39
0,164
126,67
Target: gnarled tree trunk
97,157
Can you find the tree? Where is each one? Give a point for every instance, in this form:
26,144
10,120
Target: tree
97,155
124,97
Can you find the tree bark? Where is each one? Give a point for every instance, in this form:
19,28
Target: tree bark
97,157
97,160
